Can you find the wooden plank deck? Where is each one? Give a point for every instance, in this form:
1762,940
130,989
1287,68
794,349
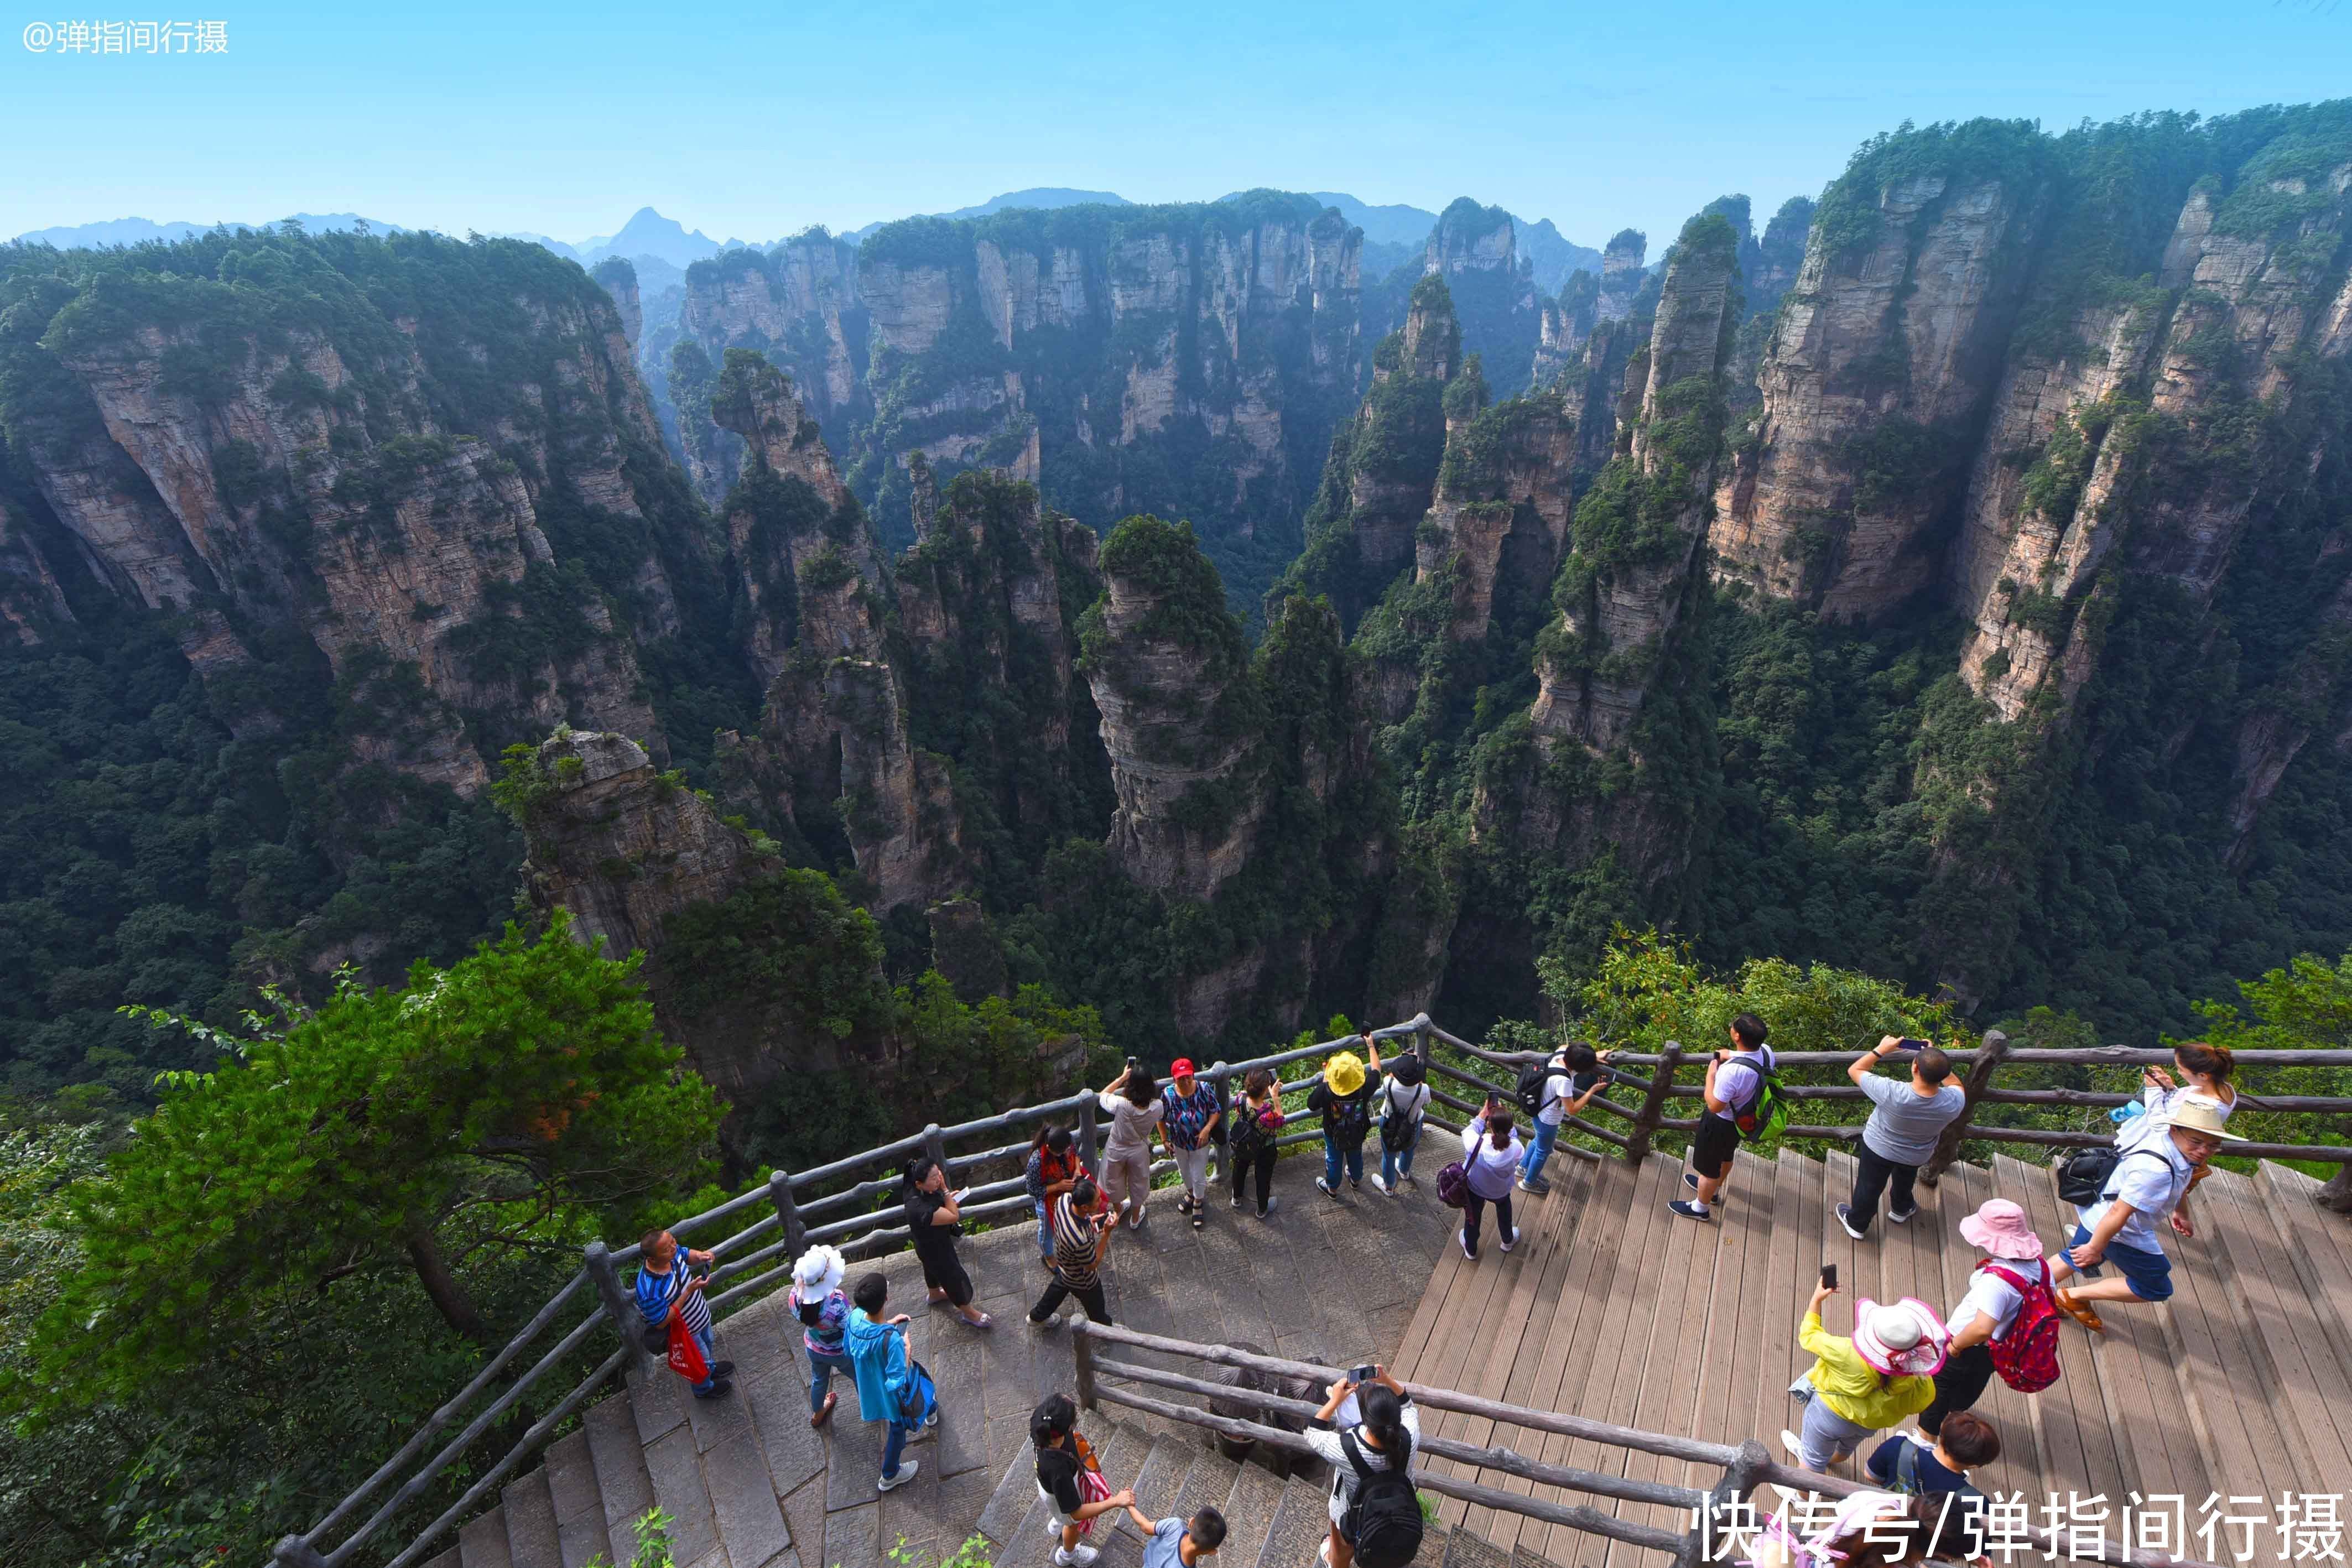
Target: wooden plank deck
1611,1309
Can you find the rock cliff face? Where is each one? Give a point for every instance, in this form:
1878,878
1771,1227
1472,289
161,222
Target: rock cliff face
1383,471
1620,274
325,479
1622,590
619,279
1876,380
2136,421
1102,352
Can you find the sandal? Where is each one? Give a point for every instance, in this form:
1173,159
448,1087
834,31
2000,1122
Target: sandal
981,1322
2073,1307
831,1398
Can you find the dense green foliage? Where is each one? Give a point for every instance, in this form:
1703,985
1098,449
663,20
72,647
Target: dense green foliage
347,1208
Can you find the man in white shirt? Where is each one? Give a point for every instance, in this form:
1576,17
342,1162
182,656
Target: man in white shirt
2145,1186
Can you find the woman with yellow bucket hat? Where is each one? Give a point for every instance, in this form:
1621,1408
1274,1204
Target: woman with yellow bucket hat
1345,1098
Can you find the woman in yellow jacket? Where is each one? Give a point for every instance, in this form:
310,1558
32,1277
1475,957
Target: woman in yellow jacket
1856,1386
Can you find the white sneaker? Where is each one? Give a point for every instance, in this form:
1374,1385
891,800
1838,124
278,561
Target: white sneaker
1380,1182
1513,1240
1795,1447
1083,1557
1464,1242
906,1471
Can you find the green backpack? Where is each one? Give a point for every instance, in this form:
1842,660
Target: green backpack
1767,1112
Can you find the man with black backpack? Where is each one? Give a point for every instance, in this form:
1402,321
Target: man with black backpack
2140,1189
1376,1520
1740,1089
1549,1092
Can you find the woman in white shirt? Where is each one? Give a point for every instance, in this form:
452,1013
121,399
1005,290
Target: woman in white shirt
1388,1430
1133,1102
1491,1154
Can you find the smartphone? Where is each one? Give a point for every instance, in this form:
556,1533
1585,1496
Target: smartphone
962,1193
1828,1276
1907,1043
1363,1374
1130,1064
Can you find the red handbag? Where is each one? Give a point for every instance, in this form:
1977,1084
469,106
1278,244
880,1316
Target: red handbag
686,1357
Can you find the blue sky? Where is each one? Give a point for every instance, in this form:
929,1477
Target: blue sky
755,121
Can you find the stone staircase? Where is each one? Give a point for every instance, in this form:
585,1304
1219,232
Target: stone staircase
749,1484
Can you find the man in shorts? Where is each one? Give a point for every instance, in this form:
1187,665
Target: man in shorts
2143,1190
1734,1080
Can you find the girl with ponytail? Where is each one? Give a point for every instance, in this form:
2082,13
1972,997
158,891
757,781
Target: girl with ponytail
1386,1431
1070,1479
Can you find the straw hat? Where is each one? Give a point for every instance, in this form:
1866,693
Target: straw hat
2195,1114
2001,1229
1902,1339
1344,1073
819,1272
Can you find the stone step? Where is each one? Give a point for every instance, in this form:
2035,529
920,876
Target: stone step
624,1491
448,1559
743,1500
1208,1484
571,1484
1468,1549
531,1541
1158,1478
482,1544
1016,1490
676,1471
1301,1520
1249,1508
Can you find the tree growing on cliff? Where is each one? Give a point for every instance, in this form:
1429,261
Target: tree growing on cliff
493,1107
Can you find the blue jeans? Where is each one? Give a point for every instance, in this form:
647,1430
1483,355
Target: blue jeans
925,1401
1333,1155
1044,1233
709,1358
1396,1162
1538,1150
822,1367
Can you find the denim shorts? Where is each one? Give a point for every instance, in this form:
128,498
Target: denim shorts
2149,1273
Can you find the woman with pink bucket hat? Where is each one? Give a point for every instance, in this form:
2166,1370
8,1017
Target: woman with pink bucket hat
2009,1299
1863,1385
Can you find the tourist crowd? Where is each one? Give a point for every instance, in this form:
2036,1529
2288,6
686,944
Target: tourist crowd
1901,1359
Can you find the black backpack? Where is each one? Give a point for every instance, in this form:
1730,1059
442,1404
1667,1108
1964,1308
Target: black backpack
1383,1520
2083,1174
1529,1090
1351,1117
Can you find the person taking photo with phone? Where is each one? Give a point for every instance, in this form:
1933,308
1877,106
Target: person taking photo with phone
933,1220
1906,1121
1366,1503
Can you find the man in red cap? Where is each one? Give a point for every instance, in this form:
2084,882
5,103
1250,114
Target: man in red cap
1187,1128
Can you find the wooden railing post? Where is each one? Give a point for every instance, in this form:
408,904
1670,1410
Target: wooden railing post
1221,1154
2336,1195
296,1553
1424,1035
1086,1132
935,1147
1711,1533
627,1321
1979,1078
1654,1105
1082,1352
779,1193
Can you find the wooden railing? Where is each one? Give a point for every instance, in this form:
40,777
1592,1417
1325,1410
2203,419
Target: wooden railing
1713,1512
772,1226
1643,1123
